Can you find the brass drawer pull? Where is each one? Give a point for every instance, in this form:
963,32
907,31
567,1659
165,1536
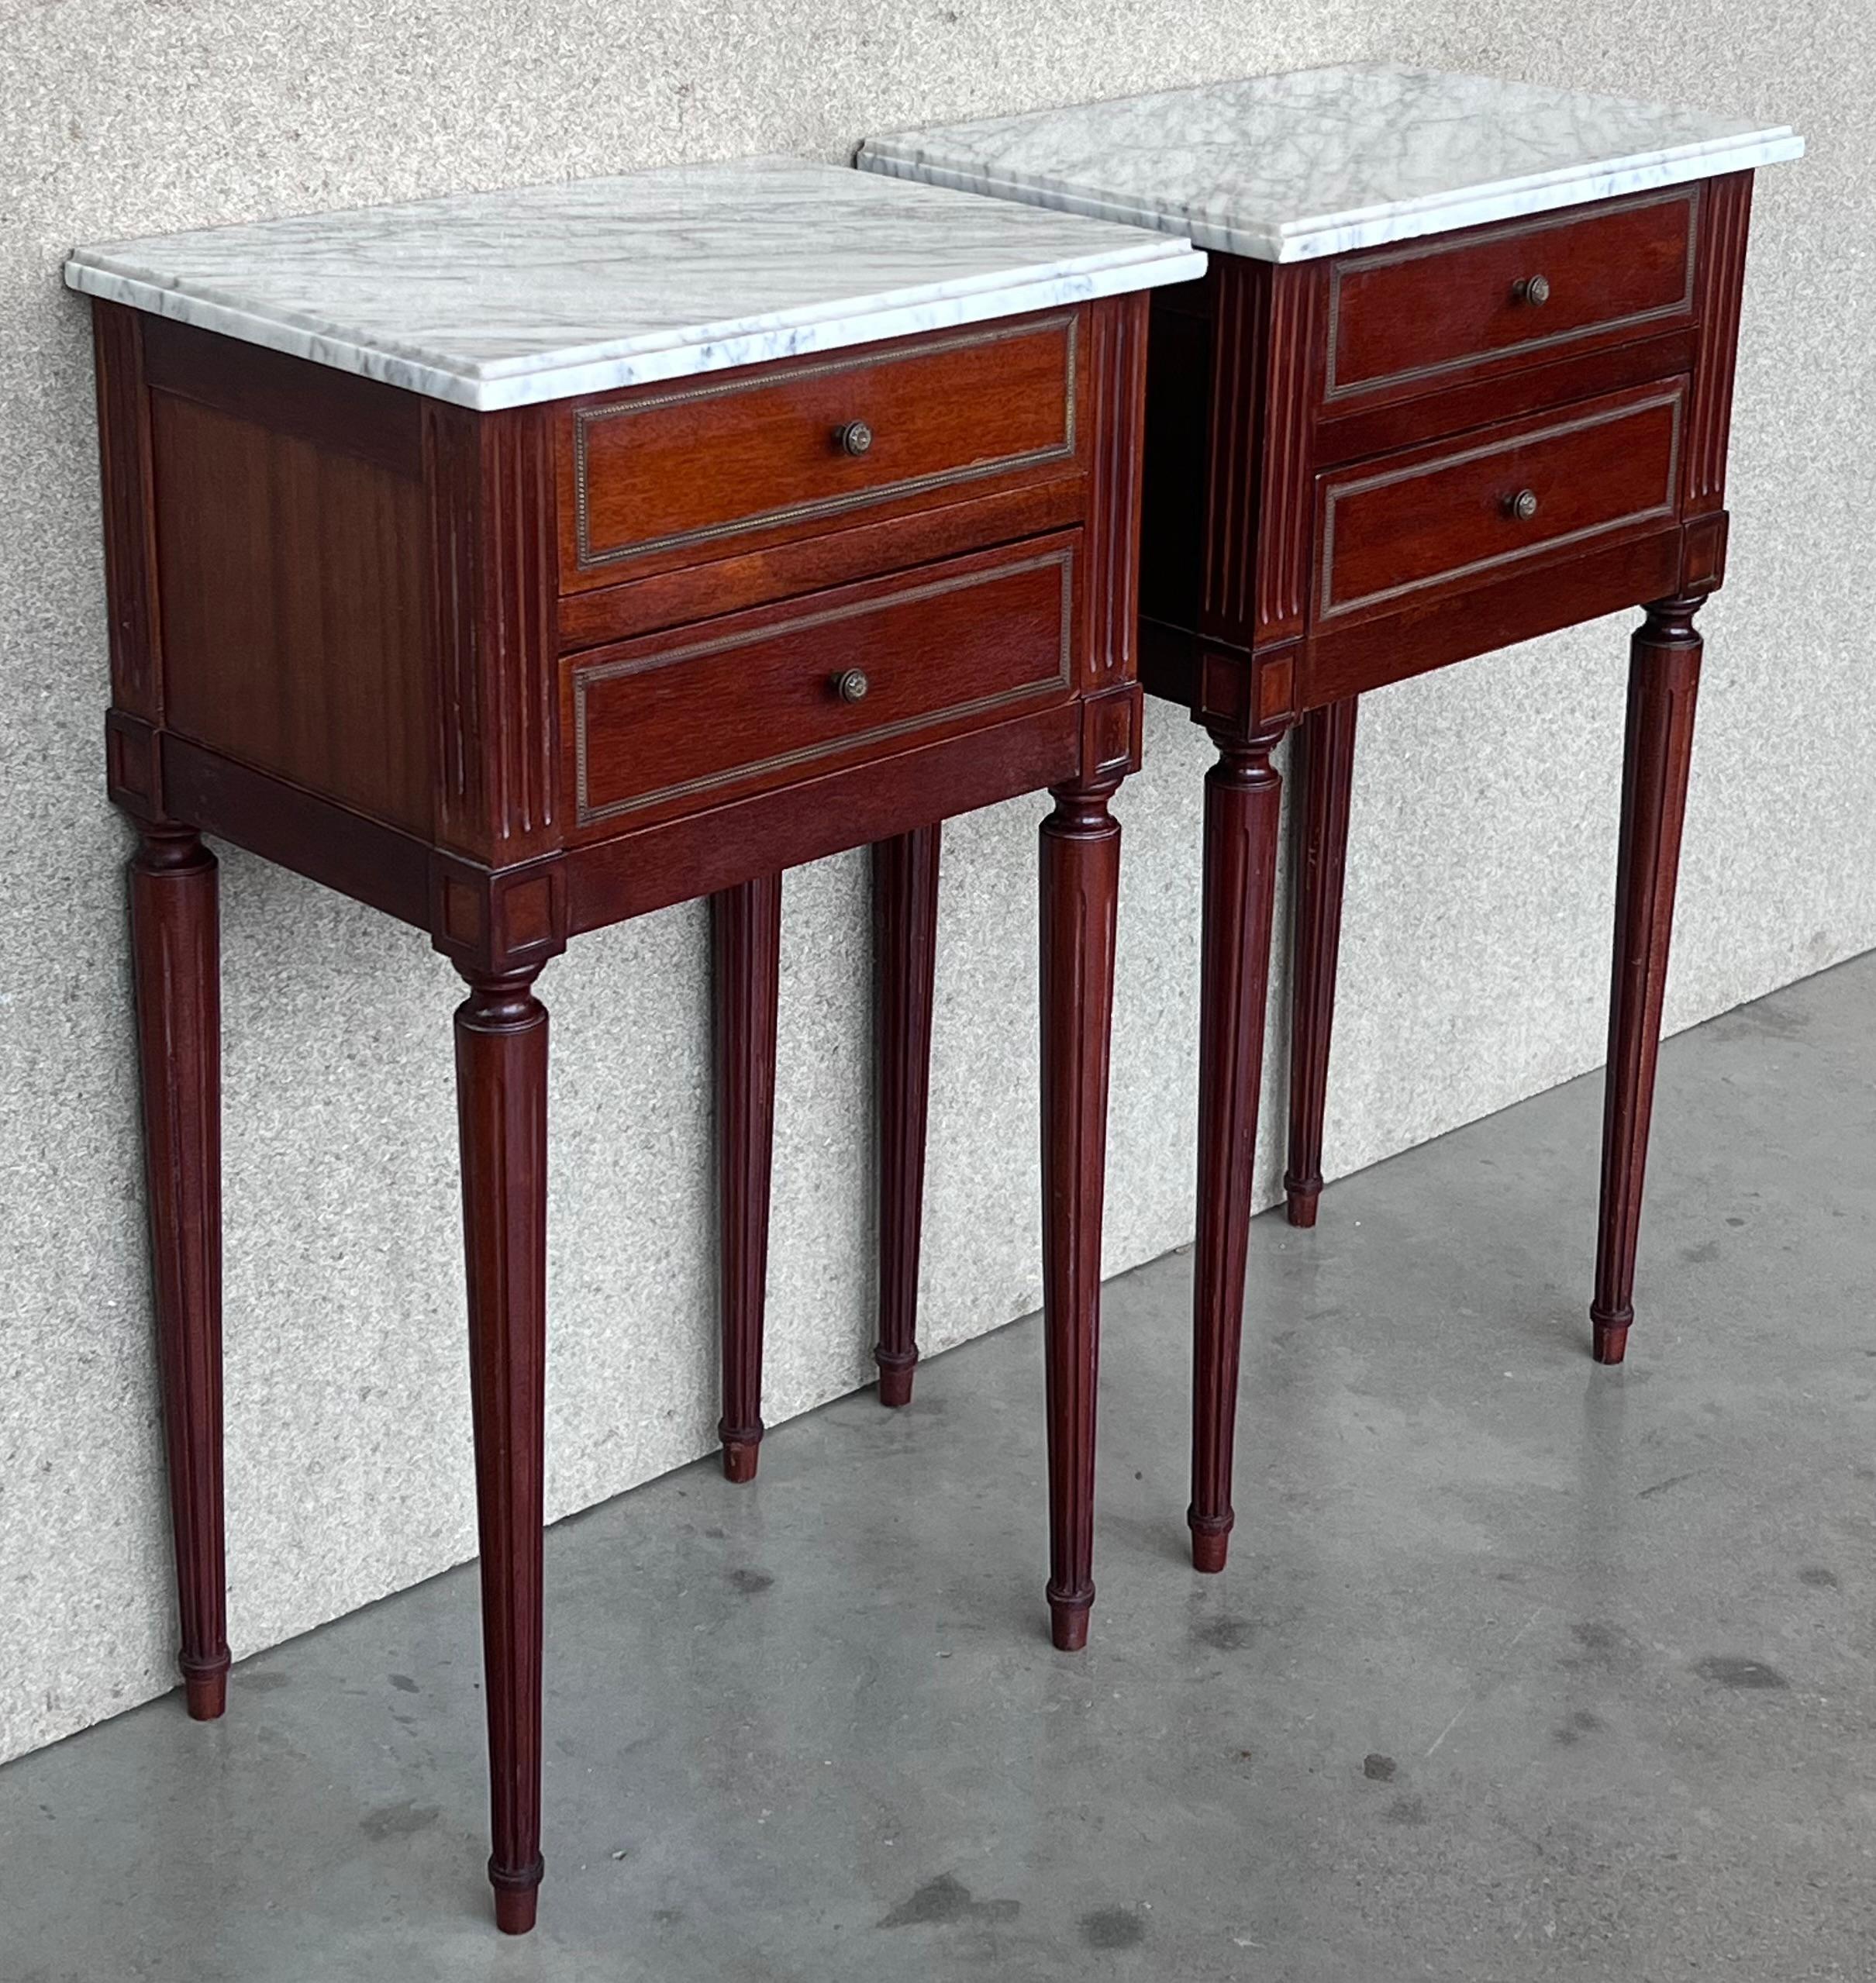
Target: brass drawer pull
1522,507
851,685
855,438
1534,290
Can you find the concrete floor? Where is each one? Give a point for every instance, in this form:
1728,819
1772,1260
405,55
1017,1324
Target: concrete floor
1522,1668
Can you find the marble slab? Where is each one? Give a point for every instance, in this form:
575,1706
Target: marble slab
506,299
1285,168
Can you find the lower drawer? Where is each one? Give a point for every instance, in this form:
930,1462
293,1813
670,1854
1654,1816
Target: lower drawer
1412,527
680,721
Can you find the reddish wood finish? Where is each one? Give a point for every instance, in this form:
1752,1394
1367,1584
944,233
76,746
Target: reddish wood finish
1327,446
1081,879
751,702
1322,771
1432,522
745,965
502,1102
1242,796
904,959
339,638
1403,319
1664,680
176,944
971,412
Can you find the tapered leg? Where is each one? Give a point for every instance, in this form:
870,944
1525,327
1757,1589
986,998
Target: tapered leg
501,1104
1664,678
905,958
1242,802
177,943
1324,754
745,956
1081,879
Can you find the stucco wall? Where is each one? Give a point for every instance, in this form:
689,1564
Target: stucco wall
1482,853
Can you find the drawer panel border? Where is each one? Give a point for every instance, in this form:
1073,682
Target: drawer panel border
587,674
1673,397
1333,392
587,559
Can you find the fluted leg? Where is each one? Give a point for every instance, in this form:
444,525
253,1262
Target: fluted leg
746,947
176,940
1322,755
502,1102
1081,879
904,957
1664,678
1243,801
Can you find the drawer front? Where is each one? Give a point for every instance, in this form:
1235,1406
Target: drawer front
1405,321
653,479
681,721
1441,519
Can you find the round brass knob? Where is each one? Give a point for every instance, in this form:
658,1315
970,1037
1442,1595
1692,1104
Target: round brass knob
1534,290
851,685
855,438
1522,506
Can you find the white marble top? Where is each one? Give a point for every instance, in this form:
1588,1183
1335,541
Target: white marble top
1285,168
507,298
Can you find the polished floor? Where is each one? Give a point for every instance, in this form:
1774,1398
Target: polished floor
1522,1668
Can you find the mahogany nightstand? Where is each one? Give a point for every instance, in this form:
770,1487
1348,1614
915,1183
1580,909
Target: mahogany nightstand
519,563
1460,374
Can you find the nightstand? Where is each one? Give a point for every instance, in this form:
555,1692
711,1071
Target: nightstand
1460,374
521,562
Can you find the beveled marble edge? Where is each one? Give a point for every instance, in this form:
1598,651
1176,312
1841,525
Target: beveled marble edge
1156,261
1368,227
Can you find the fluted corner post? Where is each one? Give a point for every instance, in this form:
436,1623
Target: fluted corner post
501,1101
904,960
176,944
1243,797
1081,882
1663,682
1322,756
746,968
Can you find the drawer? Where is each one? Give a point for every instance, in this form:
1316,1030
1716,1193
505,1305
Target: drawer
1440,519
680,721
654,479
1405,321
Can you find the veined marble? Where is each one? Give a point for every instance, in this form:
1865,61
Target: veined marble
507,298
1285,168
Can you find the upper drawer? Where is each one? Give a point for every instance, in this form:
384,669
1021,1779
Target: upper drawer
1405,321
654,479
1436,520
673,723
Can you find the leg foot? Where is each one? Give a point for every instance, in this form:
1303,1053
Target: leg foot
1211,1544
175,939
1324,755
1242,806
904,959
205,1689
1610,1338
895,1380
745,967
1080,877
517,1898
501,1101
1664,681
1068,1620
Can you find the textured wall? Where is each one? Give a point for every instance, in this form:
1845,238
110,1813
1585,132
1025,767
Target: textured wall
1483,838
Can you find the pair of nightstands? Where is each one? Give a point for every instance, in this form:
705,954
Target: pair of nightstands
520,563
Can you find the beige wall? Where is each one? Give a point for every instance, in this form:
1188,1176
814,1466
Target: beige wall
1481,866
